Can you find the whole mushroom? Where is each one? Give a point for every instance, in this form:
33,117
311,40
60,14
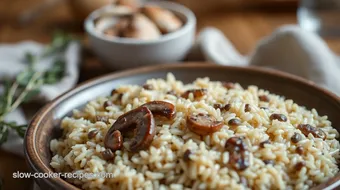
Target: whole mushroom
141,27
165,20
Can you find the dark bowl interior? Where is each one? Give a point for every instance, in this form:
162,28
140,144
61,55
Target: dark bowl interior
45,125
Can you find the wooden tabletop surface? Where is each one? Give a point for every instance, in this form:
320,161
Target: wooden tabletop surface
244,27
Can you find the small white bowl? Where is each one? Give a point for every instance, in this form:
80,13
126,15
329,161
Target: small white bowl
123,53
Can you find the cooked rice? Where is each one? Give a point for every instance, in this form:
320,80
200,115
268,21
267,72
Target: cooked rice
161,166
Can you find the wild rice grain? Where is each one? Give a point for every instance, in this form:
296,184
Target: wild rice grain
107,154
299,150
92,134
186,155
269,162
263,143
107,104
228,85
296,138
234,122
247,108
279,117
264,98
299,166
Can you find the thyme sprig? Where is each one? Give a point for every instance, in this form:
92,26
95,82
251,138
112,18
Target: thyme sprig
27,83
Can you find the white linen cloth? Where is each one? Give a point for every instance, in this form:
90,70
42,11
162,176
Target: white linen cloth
288,49
11,63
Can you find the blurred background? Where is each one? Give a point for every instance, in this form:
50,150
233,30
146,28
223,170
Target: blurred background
244,22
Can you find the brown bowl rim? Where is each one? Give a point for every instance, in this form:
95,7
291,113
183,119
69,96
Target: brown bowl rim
32,156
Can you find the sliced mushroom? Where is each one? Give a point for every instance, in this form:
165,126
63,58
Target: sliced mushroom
238,153
114,142
139,119
161,108
317,133
203,124
236,144
196,92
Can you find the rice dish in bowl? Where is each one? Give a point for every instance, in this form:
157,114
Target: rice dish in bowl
202,135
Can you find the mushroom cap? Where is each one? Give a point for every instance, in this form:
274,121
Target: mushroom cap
238,153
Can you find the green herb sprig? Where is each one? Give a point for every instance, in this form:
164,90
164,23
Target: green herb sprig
28,82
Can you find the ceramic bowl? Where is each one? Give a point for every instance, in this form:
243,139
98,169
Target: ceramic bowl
46,124
122,53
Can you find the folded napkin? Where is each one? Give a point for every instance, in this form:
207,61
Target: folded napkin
289,49
11,63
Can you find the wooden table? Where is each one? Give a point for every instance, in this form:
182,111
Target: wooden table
244,27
